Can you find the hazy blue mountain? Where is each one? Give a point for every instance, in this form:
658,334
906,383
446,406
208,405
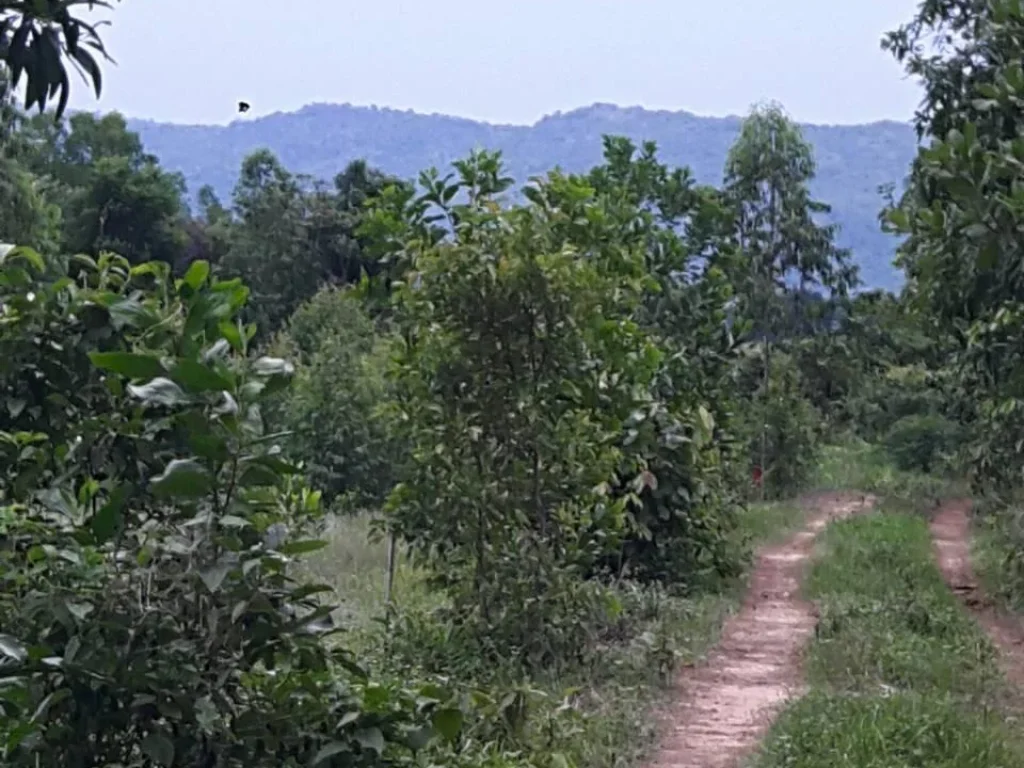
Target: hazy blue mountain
853,161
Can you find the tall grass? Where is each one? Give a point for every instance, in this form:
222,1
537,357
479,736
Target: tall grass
611,720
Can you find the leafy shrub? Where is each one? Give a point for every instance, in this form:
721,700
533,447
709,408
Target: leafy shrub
144,618
922,442
518,363
791,424
333,409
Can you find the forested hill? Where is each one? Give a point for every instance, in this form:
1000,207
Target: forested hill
853,161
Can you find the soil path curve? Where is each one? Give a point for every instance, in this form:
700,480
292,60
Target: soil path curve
951,537
727,704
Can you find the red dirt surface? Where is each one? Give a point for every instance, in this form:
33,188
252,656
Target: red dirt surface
727,704
951,536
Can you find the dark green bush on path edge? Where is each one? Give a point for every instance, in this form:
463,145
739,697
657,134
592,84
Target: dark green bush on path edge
142,617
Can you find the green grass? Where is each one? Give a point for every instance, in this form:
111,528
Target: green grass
887,620
903,731
997,544
770,523
611,722
900,674
861,466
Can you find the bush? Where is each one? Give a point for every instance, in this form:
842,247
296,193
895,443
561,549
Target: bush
789,420
922,442
144,618
333,409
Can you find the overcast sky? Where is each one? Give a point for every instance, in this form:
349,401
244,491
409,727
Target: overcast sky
190,61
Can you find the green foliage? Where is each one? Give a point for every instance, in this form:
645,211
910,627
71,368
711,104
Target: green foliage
866,467
145,619
779,242
28,216
287,240
782,433
518,366
922,442
36,39
334,407
686,497
113,195
901,675
962,211
766,183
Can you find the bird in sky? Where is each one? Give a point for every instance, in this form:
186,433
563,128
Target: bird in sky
243,106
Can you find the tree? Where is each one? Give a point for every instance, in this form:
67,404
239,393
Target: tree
145,619
112,193
962,212
37,38
290,236
333,408
270,246
28,216
766,183
518,365
684,498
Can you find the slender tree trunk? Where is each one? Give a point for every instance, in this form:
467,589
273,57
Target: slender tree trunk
768,275
766,406
391,570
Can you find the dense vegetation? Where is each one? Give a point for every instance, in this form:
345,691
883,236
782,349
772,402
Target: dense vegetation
568,401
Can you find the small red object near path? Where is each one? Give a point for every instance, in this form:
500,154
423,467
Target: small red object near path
757,477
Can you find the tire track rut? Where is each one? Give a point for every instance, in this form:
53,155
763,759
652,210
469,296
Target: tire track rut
951,539
727,704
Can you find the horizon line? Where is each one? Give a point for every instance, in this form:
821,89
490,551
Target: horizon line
491,123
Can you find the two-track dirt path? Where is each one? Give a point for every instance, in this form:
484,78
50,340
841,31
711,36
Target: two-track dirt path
727,704
951,536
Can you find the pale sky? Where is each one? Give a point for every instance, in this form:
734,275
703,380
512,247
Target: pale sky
191,61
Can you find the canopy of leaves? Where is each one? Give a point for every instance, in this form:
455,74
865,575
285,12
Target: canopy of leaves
39,39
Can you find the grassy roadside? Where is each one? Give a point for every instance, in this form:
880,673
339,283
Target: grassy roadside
865,467
899,674
997,543
611,721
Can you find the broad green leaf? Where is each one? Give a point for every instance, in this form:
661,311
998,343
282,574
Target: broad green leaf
196,377
79,609
131,365
448,722
898,218
370,738
183,478
707,421
106,522
131,312
329,750
214,576
418,738
159,391
12,649
233,335
197,273
159,749
27,254
302,547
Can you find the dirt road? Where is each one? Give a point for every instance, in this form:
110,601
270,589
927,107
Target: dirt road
727,704
951,535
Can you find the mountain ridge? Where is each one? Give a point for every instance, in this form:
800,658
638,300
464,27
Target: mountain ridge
319,139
